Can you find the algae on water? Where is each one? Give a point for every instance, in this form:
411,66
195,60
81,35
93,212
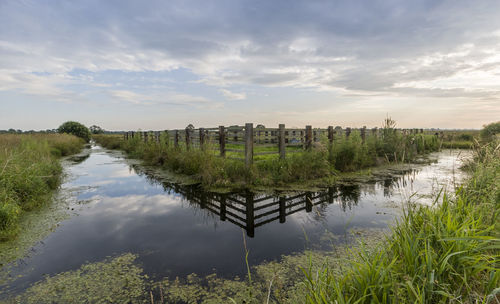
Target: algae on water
122,280
117,280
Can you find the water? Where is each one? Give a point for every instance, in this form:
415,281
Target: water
177,230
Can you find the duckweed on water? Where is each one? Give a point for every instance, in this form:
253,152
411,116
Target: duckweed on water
122,280
37,224
117,280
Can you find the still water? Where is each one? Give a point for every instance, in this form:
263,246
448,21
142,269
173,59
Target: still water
176,230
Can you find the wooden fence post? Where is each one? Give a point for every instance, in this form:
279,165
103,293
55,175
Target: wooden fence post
281,143
308,137
188,139
167,138
248,144
363,134
132,134
145,137
202,138
347,132
176,139
330,134
222,141
157,137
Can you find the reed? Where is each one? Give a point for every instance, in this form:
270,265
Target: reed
447,252
29,171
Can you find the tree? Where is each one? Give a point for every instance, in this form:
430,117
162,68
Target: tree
96,130
75,128
489,131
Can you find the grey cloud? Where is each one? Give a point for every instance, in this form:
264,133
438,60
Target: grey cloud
257,42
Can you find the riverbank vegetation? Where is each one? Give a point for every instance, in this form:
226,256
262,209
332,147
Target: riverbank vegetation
29,171
442,253
320,164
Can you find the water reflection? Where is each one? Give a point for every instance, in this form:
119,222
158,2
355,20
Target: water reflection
177,230
250,210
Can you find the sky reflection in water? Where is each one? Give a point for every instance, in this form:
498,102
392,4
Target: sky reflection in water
180,230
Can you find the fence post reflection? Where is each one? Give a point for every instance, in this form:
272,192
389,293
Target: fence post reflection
309,203
250,214
222,213
282,202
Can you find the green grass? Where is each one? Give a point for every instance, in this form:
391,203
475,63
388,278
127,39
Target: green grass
322,163
29,171
457,144
445,253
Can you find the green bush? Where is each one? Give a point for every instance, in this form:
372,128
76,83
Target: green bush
96,129
75,128
465,137
489,131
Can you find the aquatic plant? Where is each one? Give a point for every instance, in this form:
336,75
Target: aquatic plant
116,280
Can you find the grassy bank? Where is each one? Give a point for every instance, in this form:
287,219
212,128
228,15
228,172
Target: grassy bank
459,139
321,164
444,253
457,145
29,171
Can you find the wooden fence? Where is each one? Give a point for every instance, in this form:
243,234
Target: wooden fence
244,139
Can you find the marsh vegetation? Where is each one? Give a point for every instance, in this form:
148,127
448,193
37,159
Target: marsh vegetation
316,166
438,252
29,172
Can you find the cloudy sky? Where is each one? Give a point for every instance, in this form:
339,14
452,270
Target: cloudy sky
164,64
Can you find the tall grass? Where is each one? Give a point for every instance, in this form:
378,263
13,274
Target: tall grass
29,170
448,252
323,161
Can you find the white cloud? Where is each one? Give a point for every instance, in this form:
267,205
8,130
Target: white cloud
232,95
348,49
169,98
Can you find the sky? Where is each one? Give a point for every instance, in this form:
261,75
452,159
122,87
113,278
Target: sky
154,65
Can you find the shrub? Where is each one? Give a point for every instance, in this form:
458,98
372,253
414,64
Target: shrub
75,128
490,131
96,130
